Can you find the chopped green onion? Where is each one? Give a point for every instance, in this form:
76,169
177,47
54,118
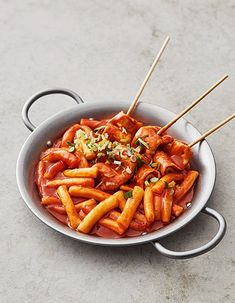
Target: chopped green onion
171,184
117,162
81,134
92,146
109,152
103,145
166,185
128,170
94,161
136,141
129,150
133,158
142,142
128,194
124,130
129,153
146,183
154,179
139,162
71,146
70,143
154,164
138,149
88,142
99,155
115,143
99,128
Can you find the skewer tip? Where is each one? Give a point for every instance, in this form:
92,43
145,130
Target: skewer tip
157,58
218,126
225,76
166,41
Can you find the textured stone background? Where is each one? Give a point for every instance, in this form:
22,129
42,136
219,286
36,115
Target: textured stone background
102,50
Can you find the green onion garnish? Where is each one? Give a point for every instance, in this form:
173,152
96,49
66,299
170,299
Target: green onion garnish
128,194
154,179
71,146
139,162
146,183
143,143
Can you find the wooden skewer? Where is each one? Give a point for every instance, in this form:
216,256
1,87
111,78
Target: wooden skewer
212,130
156,60
99,184
169,124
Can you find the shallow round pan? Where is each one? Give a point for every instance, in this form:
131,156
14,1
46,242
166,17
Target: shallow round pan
150,114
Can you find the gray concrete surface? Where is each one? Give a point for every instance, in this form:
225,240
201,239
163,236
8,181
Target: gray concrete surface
102,50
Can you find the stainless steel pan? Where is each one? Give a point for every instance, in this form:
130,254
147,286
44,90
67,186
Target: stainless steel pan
53,127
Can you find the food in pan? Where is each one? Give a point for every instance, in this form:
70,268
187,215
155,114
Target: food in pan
116,177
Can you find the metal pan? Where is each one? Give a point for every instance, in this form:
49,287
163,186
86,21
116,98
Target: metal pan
53,127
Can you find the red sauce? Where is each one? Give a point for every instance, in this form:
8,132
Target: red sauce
104,232
58,210
62,218
187,198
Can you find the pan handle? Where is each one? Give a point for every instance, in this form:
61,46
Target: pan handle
200,250
35,97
